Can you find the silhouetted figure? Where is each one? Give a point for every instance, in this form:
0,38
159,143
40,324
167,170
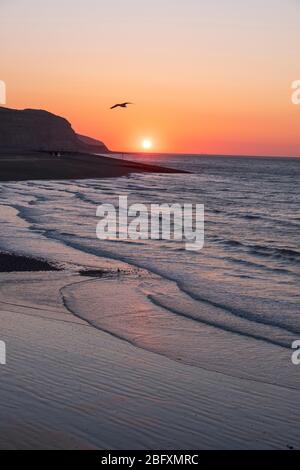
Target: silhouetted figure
121,105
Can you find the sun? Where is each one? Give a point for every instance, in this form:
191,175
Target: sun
147,144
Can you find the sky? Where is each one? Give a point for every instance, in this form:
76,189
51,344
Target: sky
204,76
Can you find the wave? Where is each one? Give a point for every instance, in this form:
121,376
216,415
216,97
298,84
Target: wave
230,327
282,325
241,312
244,315
77,244
257,217
287,254
251,264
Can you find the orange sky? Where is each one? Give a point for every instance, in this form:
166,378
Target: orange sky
205,77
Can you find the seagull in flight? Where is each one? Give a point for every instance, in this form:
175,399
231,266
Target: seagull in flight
121,105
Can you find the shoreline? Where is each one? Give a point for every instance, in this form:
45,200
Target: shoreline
94,363
43,166
75,386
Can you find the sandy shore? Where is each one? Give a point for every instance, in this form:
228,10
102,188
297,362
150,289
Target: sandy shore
96,358
43,166
69,385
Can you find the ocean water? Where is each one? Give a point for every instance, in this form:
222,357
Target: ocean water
232,307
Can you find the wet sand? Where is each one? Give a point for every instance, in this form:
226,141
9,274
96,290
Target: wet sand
69,385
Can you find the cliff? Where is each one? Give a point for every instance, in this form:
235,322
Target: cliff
38,130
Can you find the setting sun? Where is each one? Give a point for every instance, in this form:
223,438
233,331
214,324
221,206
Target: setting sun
147,144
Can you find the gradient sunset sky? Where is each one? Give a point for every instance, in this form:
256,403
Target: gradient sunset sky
205,76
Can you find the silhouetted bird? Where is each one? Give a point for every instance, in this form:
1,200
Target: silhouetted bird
121,105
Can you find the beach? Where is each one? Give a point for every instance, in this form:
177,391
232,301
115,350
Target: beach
68,385
47,165
142,344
